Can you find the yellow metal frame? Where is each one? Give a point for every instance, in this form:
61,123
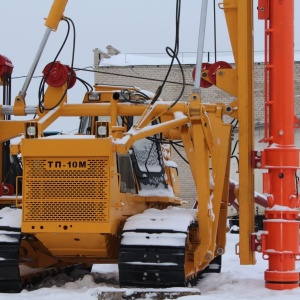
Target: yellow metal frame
206,140
239,18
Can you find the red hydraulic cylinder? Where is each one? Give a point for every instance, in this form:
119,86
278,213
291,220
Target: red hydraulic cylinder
280,244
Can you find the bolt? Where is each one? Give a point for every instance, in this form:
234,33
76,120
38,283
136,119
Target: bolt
281,132
18,99
220,73
281,175
157,256
208,256
204,74
145,255
258,164
258,154
145,274
144,278
262,9
258,237
158,261
229,108
258,248
220,251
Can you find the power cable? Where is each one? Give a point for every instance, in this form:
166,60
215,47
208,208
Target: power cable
88,87
132,76
42,85
127,96
180,155
173,53
114,74
41,91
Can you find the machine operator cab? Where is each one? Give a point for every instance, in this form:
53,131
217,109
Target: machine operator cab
142,170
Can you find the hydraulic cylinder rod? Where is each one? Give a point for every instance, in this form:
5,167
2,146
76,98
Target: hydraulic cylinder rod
200,45
55,15
280,242
29,76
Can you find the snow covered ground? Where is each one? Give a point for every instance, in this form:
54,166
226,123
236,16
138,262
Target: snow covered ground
235,282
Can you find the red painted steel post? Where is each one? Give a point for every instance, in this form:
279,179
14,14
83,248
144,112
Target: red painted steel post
281,158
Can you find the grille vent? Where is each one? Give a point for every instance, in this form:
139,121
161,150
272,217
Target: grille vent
84,211
61,194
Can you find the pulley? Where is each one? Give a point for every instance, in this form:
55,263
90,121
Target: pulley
6,189
215,67
56,74
203,83
6,65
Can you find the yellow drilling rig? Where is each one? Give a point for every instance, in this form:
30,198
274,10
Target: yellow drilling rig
110,192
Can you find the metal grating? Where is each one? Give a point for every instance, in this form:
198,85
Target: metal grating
66,189
66,211
58,192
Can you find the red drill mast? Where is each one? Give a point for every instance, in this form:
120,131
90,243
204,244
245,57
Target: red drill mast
280,240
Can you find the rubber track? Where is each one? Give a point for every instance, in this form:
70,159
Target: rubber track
10,281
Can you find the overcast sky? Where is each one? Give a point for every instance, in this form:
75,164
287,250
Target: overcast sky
132,26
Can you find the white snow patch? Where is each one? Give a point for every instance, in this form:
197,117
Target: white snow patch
8,239
214,266
148,191
151,264
170,163
211,181
261,232
256,194
234,228
159,239
7,232
11,217
236,184
178,114
176,219
277,207
210,207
